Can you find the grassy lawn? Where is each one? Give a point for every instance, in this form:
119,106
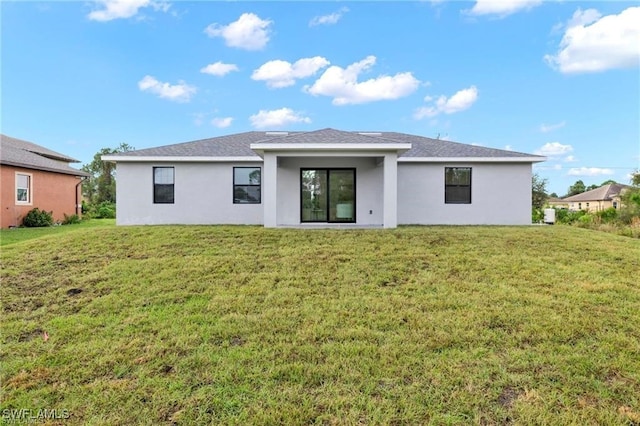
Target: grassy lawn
14,235
245,325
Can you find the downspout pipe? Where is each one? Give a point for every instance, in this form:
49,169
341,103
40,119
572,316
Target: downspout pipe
78,206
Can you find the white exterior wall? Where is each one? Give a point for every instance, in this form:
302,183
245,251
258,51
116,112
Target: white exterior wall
369,183
203,194
500,195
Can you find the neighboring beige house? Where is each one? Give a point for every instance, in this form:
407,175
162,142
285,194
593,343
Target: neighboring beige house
557,203
602,198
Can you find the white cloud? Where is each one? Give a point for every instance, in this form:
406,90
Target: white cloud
282,73
501,8
181,92
277,118
116,9
593,42
198,118
508,148
342,84
546,128
330,19
589,171
219,69
221,122
248,32
554,149
570,159
461,100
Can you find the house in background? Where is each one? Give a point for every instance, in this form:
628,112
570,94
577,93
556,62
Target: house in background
328,177
557,203
33,176
598,199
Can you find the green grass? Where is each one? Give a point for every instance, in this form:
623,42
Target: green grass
14,235
245,325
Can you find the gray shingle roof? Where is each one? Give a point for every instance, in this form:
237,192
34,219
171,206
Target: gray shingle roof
422,146
21,153
238,145
604,193
329,136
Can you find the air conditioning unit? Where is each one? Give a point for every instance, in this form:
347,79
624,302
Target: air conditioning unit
549,216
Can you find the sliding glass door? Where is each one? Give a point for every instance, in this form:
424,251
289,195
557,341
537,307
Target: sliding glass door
328,195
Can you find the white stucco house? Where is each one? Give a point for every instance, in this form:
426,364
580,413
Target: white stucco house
328,177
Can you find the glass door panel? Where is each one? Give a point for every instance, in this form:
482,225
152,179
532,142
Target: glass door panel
314,195
342,195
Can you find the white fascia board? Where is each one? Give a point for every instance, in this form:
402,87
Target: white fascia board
262,147
178,159
471,159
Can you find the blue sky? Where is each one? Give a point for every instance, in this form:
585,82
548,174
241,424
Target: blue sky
557,78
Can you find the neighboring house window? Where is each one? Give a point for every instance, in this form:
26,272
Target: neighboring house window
579,206
23,188
247,185
163,185
457,185
615,204
587,205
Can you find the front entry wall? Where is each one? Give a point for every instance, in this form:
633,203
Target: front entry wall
369,184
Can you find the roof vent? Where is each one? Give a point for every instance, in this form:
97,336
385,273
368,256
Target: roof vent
276,133
370,133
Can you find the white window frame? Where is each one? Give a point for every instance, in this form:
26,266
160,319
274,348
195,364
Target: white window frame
29,200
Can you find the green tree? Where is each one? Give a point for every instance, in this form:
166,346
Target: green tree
630,199
577,188
538,191
101,186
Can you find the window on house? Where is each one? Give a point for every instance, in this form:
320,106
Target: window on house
615,204
163,185
457,185
579,206
23,188
247,185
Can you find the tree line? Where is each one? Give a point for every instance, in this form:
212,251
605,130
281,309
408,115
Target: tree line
99,190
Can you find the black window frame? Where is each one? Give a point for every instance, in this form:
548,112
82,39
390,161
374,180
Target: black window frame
449,188
159,189
237,186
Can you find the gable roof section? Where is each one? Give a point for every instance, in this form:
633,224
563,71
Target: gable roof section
245,145
21,153
604,193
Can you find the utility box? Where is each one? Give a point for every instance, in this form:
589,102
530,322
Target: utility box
549,216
